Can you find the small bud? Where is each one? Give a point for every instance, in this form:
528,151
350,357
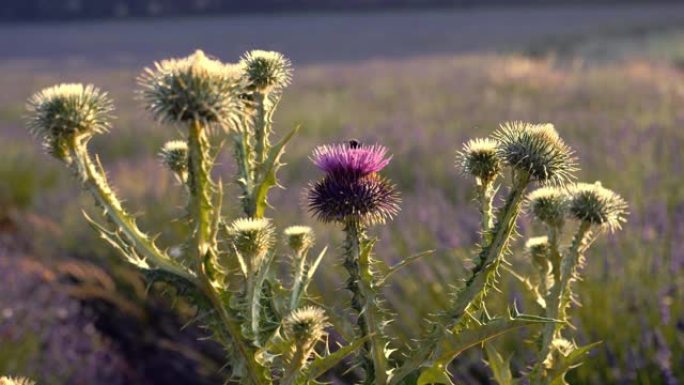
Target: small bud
536,149
174,155
549,205
299,238
479,158
15,381
194,88
537,246
252,238
305,325
66,111
266,70
597,205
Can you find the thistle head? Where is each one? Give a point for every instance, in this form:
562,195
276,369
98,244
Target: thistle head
174,155
479,158
537,150
194,88
252,238
299,238
537,246
597,205
305,325
371,199
350,159
63,112
549,205
15,381
266,70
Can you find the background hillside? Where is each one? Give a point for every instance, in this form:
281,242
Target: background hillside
31,10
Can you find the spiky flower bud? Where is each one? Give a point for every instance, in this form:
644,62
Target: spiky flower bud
299,238
537,245
479,158
537,150
351,188
194,88
549,205
597,205
252,238
305,325
266,70
174,155
15,381
66,111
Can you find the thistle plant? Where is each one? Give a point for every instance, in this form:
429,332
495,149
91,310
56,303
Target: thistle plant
265,317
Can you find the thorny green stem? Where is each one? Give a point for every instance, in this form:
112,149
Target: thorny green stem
365,304
470,297
486,196
199,183
95,181
243,157
300,270
554,253
559,298
262,125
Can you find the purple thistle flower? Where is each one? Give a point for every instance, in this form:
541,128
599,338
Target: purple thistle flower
352,189
351,159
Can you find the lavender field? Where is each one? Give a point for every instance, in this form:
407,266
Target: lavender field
612,82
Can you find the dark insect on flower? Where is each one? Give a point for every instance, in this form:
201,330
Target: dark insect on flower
536,149
350,159
597,205
371,199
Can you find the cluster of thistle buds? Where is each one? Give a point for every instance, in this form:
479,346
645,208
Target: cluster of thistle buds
226,267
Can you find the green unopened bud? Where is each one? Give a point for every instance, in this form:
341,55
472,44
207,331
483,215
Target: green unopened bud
266,70
15,381
174,155
305,325
597,205
194,88
252,238
549,205
537,150
60,113
479,158
299,238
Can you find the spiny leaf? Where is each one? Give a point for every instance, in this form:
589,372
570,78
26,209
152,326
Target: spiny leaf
322,364
269,173
566,363
436,374
405,262
454,344
501,368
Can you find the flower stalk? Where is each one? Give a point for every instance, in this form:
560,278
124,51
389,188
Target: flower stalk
370,320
